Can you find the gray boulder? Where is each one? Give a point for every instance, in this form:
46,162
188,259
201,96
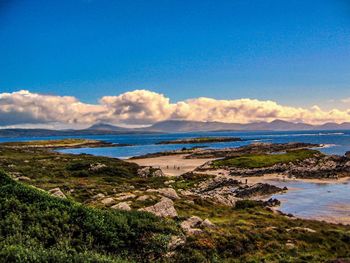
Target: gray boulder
57,193
164,208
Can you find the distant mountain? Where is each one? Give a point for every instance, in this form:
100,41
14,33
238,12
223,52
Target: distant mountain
176,126
276,125
106,127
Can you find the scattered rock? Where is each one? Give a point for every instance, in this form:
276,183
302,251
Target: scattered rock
98,196
143,198
23,178
207,224
168,192
97,166
191,225
175,242
259,189
305,229
124,196
57,193
272,202
122,206
164,208
148,171
108,201
169,182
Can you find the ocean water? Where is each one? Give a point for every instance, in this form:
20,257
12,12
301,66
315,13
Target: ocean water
325,201
337,142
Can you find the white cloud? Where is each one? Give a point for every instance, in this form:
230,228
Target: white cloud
140,107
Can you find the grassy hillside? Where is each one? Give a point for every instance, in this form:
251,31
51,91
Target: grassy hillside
35,227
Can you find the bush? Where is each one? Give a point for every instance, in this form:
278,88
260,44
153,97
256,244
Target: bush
36,227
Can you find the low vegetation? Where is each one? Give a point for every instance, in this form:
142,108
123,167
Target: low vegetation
265,160
36,227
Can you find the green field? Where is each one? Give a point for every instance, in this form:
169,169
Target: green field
264,160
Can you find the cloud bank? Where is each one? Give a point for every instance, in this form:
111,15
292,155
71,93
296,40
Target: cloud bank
142,107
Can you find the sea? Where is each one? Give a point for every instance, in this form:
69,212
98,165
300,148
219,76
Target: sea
329,201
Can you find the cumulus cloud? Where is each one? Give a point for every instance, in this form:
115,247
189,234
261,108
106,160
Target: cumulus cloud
140,107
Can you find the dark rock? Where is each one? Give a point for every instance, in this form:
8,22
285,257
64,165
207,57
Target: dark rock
259,189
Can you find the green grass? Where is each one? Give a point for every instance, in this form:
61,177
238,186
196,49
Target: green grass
264,160
35,227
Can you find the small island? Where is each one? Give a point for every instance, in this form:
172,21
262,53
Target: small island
62,144
202,140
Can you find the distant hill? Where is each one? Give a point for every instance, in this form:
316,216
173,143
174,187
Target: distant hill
106,127
187,126
176,126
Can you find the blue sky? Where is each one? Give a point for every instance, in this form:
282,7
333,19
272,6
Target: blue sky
293,52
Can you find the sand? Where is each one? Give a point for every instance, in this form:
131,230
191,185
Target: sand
173,165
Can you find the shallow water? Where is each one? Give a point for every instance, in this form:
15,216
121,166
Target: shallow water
322,201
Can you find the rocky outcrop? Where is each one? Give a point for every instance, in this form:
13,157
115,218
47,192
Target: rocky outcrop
195,225
57,193
164,208
124,196
122,206
347,155
226,190
148,171
166,192
259,189
108,201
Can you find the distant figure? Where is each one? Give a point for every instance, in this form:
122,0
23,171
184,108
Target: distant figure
167,166
246,181
178,167
174,167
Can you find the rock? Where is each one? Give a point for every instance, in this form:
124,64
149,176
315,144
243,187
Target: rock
259,189
290,244
122,206
23,178
108,201
164,208
148,171
57,193
175,242
98,196
191,225
168,192
272,202
97,166
124,196
207,224
169,182
347,155
305,229
143,198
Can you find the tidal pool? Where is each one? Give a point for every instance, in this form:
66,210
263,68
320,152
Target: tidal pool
322,201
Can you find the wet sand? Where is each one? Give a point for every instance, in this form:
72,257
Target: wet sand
173,165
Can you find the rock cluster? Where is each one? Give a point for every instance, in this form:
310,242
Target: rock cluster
195,225
148,171
226,191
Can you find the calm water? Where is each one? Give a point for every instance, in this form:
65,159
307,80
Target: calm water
338,142
308,200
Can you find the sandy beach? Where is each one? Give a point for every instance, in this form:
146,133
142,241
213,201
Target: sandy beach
173,165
